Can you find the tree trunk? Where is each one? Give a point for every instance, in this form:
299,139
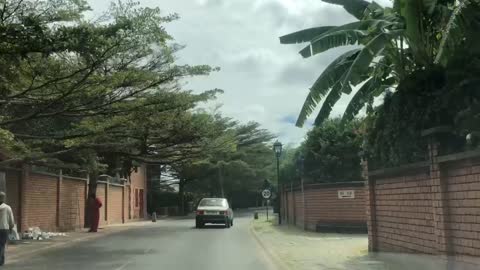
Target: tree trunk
92,189
181,201
220,180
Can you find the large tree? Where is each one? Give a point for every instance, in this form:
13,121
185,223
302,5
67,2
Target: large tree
73,89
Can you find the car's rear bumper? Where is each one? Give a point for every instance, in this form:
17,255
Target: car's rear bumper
212,219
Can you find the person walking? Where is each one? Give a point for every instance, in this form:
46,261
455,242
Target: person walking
95,205
6,225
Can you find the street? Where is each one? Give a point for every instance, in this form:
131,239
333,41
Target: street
167,244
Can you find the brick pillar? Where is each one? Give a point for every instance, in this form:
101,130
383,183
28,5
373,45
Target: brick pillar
371,209
123,202
25,177
59,201
107,193
285,205
304,202
439,201
294,203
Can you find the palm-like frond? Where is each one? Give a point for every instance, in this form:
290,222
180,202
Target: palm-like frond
327,106
371,89
347,34
329,77
365,57
305,35
354,7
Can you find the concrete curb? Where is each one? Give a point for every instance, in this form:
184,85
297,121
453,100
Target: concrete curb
279,263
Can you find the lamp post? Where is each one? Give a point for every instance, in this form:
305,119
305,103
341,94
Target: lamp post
277,148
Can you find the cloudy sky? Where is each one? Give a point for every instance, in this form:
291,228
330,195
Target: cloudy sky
263,80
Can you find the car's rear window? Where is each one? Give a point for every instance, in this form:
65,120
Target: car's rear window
213,202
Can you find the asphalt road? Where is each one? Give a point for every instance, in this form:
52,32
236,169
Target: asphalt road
170,244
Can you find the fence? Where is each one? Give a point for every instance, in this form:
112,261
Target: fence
320,207
429,207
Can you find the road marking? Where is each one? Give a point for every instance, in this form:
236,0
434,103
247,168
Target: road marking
121,267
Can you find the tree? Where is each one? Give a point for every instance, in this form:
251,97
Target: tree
235,159
64,73
394,43
331,152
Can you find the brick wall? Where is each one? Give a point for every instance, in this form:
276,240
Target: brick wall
115,204
404,214
463,201
72,204
55,202
430,207
13,191
40,206
322,205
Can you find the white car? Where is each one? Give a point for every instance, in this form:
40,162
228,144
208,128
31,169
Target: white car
213,210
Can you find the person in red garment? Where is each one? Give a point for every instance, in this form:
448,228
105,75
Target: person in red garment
95,205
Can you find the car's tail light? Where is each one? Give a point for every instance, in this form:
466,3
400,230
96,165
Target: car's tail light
199,212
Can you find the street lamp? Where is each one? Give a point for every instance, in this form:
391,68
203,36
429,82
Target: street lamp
277,149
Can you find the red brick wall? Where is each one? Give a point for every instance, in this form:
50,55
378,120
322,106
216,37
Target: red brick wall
297,198
40,206
126,204
72,204
463,201
13,192
291,206
115,204
324,206
433,209
404,214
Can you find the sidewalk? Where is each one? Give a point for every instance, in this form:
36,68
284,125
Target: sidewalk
26,248
294,249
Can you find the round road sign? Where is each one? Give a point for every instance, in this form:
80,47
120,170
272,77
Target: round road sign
266,194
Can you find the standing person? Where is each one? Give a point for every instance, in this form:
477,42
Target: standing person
95,205
6,225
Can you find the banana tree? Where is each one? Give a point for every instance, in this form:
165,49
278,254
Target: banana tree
392,42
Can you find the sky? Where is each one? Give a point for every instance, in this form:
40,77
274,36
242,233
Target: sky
263,80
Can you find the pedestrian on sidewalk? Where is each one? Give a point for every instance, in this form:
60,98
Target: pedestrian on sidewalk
95,205
6,225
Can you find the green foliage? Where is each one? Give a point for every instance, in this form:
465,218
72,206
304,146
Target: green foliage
72,86
395,42
234,160
331,152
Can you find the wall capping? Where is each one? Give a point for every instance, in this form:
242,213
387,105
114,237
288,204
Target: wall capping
400,170
44,173
331,185
66,177
115,185
459,156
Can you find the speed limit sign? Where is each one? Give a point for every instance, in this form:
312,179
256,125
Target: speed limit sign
266,193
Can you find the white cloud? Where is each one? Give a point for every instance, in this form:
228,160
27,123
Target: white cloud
263,80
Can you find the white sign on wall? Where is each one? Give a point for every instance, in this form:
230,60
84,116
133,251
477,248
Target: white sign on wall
346,194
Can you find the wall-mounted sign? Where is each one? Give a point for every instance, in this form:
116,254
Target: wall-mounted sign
346,194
